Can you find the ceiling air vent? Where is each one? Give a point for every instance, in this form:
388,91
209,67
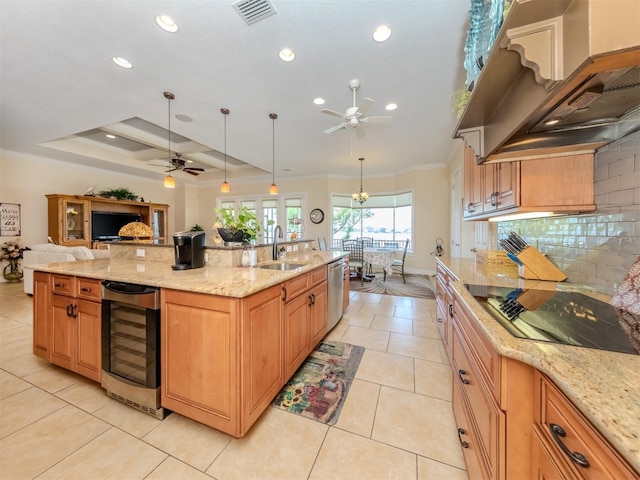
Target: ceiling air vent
253,11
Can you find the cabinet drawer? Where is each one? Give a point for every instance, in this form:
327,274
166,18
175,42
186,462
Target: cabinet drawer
318,275
467,438
297,285
544,464
553,408
487,359
63,284
487,419
89,289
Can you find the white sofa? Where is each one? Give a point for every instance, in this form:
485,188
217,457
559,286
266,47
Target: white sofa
49,253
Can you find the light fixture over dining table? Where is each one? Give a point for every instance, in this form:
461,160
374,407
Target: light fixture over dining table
361,196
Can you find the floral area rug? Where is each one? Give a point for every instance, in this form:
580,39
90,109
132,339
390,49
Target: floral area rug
418,286
320,386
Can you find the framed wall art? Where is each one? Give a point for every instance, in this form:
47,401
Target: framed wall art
9,219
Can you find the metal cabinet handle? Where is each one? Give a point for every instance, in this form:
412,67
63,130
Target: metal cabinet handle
576,457
462,379
85,289
313,298
69,310
439,320
451,310
58,285
462,442
470,208
284,294
310,301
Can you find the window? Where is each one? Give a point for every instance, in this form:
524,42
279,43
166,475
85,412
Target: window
293,209
385,218
269,212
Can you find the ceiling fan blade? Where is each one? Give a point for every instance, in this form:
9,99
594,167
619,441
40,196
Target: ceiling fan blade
171,170
190,172
194,169
332,112
377,119
365,105
335,128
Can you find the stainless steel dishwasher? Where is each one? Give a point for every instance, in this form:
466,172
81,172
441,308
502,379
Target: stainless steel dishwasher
335,285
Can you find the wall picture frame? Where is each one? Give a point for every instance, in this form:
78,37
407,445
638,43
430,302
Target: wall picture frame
10,220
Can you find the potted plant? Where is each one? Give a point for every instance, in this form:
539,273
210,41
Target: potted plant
244,227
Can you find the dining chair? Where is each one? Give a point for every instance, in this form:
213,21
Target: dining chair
356,260
398,265
322,243
391,245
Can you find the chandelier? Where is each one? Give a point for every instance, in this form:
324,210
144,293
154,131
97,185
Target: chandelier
361,196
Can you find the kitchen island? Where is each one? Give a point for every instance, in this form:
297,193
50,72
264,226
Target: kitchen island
596,393
230,336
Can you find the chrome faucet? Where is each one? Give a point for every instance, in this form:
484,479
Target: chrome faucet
276,230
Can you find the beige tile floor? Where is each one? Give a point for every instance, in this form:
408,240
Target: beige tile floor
396,423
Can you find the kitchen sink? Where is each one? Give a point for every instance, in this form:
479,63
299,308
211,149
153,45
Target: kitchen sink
281,266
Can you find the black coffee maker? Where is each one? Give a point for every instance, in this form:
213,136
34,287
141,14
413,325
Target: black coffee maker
189,250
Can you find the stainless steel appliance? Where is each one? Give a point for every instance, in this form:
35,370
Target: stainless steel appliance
569,318
189,250
336,289
131,345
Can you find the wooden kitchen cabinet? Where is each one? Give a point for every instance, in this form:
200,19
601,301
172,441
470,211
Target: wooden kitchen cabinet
69,216
570,442
74,325
444,305
305,316
493,401
557,184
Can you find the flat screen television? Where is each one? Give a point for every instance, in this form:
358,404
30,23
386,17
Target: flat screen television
106,225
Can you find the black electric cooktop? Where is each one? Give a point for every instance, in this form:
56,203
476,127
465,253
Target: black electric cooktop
569,318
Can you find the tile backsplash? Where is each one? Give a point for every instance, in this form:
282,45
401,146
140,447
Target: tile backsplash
598,248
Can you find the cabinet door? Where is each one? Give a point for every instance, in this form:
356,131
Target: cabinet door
467,437
472,202
507,184
158,221
319,310
200,368
296,331
87,324
41,313
74,215
62,334
263,350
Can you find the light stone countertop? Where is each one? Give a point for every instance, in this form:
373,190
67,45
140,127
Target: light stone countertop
214,280
603,385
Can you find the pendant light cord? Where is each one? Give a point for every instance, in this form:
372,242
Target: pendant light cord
225,147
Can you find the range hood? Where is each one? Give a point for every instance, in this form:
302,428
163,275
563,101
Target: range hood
562,78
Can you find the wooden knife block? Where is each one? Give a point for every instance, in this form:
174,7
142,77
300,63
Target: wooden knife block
536,266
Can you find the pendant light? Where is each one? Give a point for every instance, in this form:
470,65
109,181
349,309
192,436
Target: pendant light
225,187
169,181
361,196
273,189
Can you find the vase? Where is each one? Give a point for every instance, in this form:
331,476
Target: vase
229,235
11,271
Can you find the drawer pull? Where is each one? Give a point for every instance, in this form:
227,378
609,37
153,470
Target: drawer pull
462,379
284,294
58,285
85,289
451,310
439,320
69,310
576,457
462,442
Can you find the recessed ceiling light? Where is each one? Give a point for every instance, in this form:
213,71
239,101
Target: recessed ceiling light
391,106
553,121
167,23
318,101
382,33
109,135
287,55
122,62
184,118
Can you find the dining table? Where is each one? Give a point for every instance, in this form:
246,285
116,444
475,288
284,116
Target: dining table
381,256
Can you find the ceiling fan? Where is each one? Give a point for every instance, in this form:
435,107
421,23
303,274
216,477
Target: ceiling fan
180,165
355,115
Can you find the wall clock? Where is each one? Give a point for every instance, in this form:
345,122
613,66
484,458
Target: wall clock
316,215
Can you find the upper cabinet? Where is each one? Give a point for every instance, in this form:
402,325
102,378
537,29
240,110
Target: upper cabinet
549,184
70,217
562,78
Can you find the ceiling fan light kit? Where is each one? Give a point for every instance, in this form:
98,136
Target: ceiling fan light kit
356,114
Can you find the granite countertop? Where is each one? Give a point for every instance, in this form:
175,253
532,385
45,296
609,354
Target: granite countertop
603,385
214,280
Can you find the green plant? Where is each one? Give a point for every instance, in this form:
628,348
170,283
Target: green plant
119,193
460,100
197,228
246,220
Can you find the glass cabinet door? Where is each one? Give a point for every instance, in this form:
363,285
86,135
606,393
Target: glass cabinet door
159,223
75,222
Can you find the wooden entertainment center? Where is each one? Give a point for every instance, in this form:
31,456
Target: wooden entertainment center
70,217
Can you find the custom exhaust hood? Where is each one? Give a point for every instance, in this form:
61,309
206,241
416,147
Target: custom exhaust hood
563,78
